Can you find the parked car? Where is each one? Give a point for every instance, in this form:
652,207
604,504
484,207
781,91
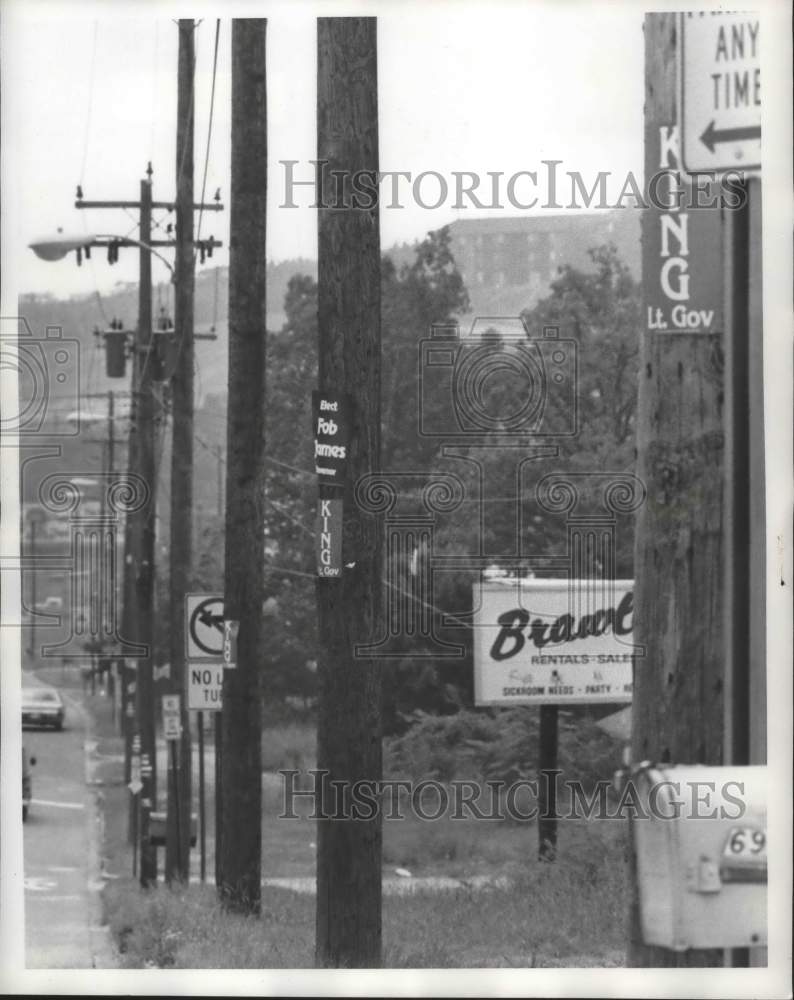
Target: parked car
27,783
42,706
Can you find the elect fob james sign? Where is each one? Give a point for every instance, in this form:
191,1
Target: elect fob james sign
553,642
331,427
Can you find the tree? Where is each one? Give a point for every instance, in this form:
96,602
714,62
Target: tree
428,291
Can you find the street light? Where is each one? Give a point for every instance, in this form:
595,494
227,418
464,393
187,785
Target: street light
51,248
58,246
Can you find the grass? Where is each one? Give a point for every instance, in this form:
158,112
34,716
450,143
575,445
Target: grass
570,913
555,915
293,745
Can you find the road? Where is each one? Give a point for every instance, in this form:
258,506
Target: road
61,836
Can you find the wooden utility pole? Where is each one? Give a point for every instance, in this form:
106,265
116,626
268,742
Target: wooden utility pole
698,404
239,879
350,607
677,714
129,619
139,531
177,855
111,432
145,416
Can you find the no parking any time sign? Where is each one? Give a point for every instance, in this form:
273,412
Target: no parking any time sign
720,91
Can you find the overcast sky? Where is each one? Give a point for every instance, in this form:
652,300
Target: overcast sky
90,97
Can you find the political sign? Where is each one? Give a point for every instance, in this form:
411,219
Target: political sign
331,430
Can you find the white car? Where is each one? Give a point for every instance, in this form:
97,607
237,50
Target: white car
42,706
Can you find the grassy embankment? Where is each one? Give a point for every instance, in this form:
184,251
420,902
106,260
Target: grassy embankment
571,913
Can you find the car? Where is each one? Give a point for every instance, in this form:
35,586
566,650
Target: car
27,783
42,706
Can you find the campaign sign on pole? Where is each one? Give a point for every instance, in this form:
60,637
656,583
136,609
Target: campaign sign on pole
172,728
328,537
553,642
682,260
205,686
331,430
230,633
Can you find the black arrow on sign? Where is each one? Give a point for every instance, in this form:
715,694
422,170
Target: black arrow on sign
211,621
712,135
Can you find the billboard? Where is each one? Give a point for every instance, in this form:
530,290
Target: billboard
555,642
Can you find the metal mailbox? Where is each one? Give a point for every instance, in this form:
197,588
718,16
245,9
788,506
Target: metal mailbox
701,848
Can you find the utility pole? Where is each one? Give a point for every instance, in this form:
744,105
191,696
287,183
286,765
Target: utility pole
350,607
177,856
33,595
699,536
239,879
144,364
139,537
111,432
219,481
129,618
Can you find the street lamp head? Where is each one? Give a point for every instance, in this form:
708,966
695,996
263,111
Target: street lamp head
57,246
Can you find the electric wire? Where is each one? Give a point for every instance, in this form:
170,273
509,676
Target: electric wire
209,131
90,100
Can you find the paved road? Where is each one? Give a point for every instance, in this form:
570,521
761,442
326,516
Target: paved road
62,905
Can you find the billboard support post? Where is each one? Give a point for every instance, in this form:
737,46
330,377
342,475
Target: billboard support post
547,772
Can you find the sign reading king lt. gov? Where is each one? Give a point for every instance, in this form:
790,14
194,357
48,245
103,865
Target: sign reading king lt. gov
553,642
720,91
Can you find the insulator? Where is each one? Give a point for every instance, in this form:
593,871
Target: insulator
87,252
79,257
79,193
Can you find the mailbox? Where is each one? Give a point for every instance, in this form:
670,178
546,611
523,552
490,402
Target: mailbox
157,829
701,849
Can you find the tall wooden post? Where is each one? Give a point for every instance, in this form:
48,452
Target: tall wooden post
177,854
350,607
144,570
691,436
547,773
241,840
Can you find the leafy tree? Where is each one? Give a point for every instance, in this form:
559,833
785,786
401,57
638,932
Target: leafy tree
428,291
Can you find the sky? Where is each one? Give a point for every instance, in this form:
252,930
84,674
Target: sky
89,97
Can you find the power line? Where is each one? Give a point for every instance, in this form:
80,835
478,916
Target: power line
152,115
90,101
209,129
290,517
